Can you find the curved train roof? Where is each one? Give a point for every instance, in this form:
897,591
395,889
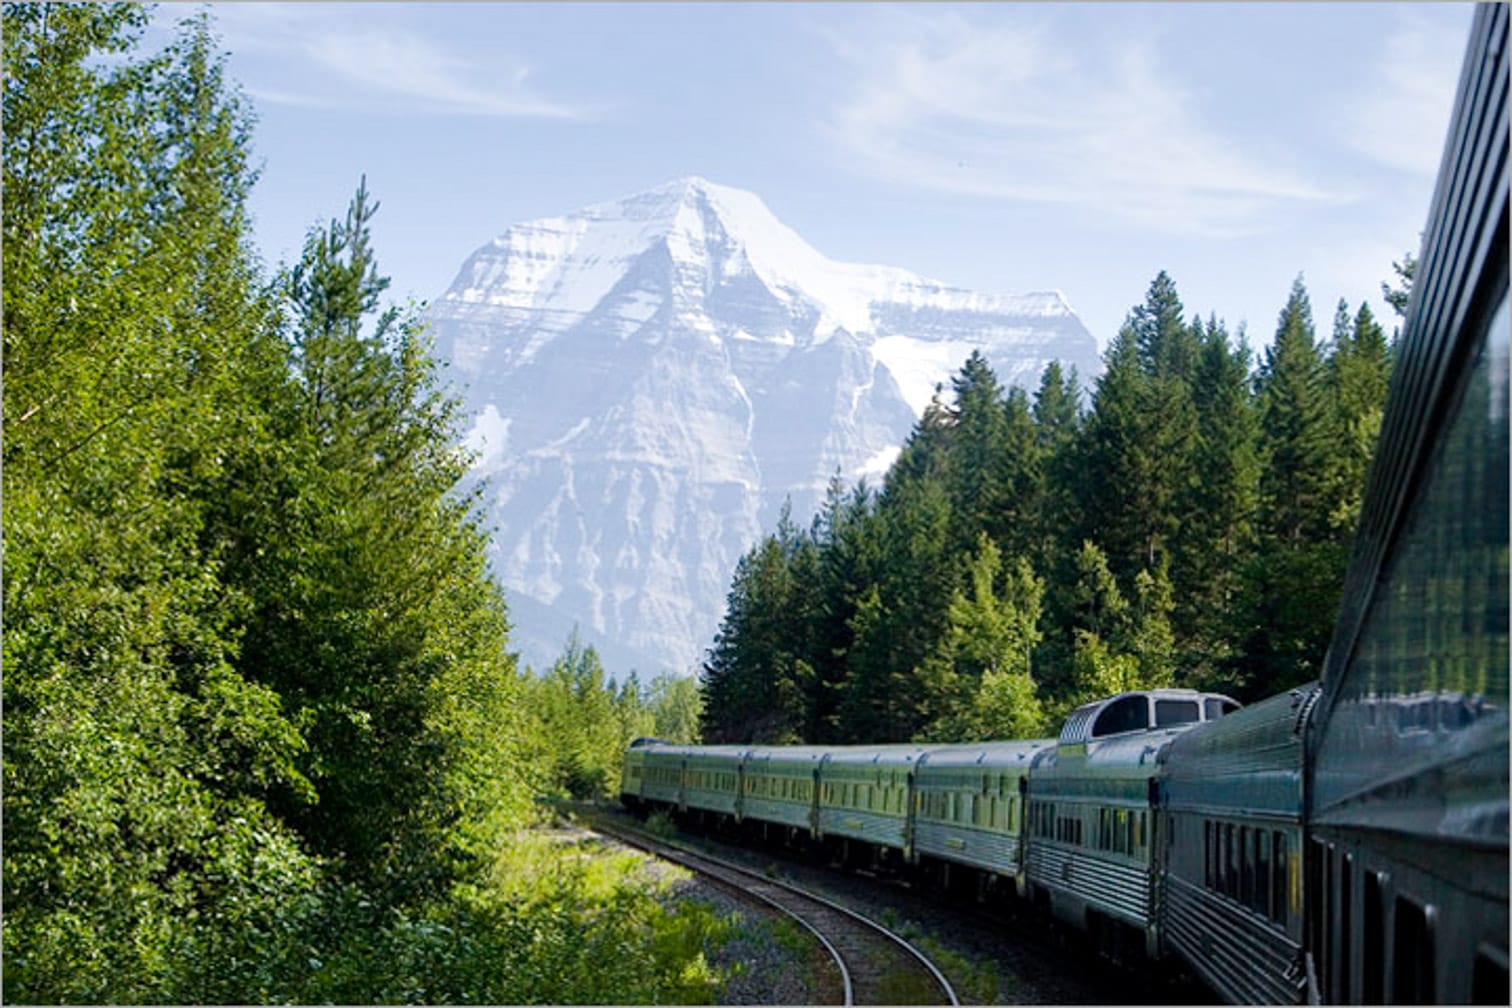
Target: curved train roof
1250,761
985,755
880,755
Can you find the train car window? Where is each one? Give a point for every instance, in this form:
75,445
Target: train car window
1373,939
1246,867
1213,708
1345,931
1175,712
1280,876
1131,713
1209,875
1264,889
1230,874
1488,983
1412,980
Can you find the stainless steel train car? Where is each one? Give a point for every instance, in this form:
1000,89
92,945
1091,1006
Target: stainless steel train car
1408,777
1231,833
781,785
864,795
1091,819
968,806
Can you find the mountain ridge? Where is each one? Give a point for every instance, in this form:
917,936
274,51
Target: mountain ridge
650,378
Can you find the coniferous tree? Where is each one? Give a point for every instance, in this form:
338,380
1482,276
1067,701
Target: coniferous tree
1360,375
1294,579
977,679
1219,513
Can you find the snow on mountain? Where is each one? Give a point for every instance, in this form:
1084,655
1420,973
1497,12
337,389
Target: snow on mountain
650,379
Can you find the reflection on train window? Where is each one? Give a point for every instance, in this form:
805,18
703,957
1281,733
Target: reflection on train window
1440,620
1175,712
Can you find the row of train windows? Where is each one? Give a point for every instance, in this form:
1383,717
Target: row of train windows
988,811
849,794
779,787
1248,865
711,780
1412,980
669,776
1122,831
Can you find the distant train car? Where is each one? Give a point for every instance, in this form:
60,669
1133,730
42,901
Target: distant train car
968,805
712,786
1091,845
1409,773
633,772
780,787
663,781
863,795
1231,831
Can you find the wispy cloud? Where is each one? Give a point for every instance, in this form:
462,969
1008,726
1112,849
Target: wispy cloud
349,56
1400,112
1018,113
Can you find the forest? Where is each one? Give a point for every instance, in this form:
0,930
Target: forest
1189,526
264,739
264,736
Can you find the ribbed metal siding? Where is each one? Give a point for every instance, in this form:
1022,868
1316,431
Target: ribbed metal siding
883,830
1117,887
712,800
1244,957
981,848
1250,761
788,813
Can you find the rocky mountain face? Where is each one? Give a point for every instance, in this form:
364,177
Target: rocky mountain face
648,380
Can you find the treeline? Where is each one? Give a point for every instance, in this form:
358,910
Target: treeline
1024,554
582,721
263,737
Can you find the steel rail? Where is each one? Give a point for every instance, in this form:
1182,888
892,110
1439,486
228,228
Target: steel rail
683,855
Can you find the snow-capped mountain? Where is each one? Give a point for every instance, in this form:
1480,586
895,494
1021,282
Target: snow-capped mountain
649,380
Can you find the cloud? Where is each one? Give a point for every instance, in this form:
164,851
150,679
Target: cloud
1016,113
362,57
1400,114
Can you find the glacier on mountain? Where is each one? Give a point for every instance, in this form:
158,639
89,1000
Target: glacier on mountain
648,380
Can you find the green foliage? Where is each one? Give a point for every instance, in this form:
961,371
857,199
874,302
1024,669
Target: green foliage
580,728
1188,529
978,675
264,740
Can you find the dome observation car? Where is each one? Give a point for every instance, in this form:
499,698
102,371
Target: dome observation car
1143,710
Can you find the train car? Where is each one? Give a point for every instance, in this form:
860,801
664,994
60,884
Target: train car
712,781
1231,835
1408,751
663,782
968,806
1091,848
863,796
779,787
633,772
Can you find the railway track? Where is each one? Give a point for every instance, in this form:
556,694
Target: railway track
876,966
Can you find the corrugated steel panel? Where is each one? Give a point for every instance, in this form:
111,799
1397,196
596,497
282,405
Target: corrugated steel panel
1250,761
1246,958
773,810
981,848
1119,888
883,830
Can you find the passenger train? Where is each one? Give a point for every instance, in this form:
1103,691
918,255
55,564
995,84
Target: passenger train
1344,842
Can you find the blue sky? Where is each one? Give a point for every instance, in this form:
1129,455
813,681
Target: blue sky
999,147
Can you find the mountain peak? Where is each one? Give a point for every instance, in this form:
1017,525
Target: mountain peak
652,377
